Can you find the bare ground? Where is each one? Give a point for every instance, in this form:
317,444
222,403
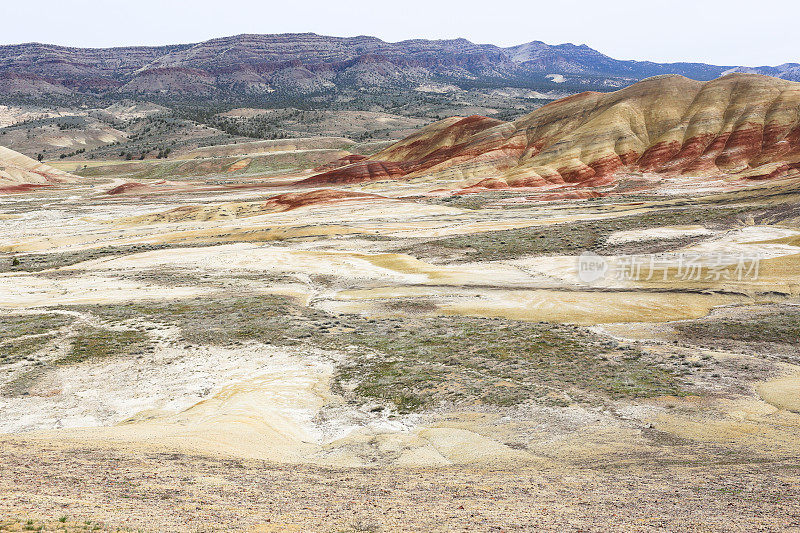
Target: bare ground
702,436
175,492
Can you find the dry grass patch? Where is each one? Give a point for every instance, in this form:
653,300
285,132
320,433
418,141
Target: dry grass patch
93,344
420,362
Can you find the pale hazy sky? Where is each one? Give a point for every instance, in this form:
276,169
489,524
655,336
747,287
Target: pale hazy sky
724,32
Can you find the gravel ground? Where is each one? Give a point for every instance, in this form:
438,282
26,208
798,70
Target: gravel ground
174,492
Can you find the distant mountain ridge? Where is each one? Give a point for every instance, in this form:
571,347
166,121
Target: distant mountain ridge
300,64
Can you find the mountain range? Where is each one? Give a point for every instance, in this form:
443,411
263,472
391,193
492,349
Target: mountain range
303,64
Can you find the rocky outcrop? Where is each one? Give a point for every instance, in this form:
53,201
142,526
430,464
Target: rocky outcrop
743,124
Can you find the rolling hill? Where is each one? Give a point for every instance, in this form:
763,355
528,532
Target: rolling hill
742,124
20,173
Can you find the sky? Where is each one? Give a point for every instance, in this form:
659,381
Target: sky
722,32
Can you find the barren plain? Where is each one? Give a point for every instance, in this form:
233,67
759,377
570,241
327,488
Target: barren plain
195,344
